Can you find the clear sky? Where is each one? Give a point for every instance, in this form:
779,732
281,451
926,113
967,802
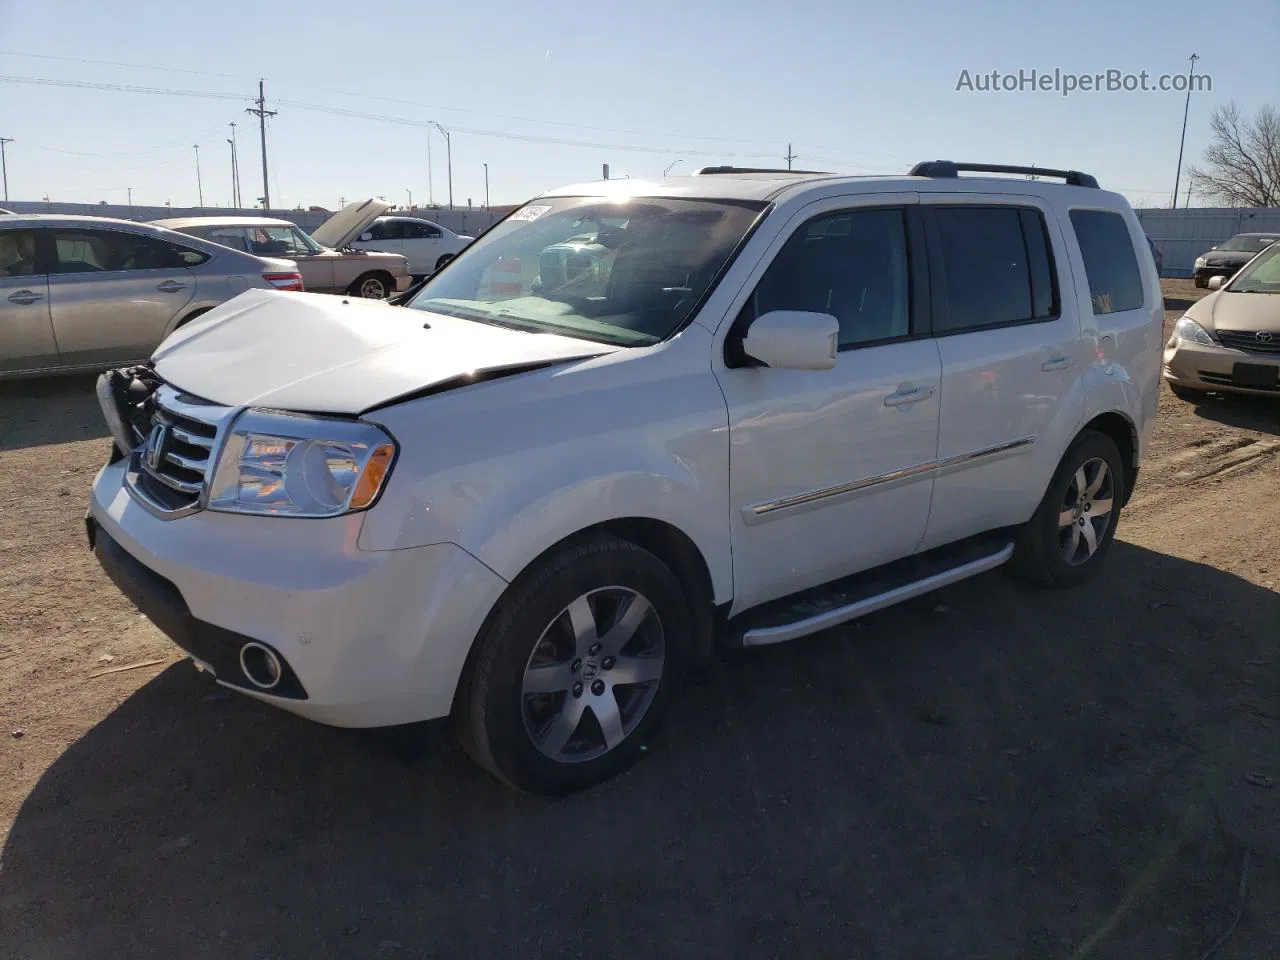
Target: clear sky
854,87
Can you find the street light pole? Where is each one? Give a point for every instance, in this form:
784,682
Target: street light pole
199,185
235,169
486,186
410,193
448,148
4,167
1186,108
670,166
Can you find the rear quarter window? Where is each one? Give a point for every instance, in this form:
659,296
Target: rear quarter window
1115,283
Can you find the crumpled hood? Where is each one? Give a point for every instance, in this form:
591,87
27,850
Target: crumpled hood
314,353
1225,310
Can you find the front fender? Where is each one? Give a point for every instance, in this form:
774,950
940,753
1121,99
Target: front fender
508,468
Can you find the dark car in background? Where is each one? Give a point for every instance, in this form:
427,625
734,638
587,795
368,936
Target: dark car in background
1156,254
1226,258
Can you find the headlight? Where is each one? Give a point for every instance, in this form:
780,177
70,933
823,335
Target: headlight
1200,261
296,466
1188,329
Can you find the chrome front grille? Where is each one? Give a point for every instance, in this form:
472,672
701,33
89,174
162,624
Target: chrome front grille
1251,340
169,471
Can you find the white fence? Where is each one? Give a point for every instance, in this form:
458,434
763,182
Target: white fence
1183,235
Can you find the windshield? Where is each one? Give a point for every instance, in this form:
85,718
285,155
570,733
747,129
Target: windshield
263,240
1262,275
625,272
1243,244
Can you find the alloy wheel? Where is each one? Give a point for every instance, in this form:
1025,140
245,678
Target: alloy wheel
593,674
372,288
1085,513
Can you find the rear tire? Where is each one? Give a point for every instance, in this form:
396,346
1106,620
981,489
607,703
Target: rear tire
575,668
1066,540
372,286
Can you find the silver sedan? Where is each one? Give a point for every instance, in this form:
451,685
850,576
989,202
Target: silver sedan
86,293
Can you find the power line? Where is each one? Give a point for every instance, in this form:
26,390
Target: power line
123,88
116,63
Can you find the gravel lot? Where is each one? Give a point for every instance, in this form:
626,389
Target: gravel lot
994,771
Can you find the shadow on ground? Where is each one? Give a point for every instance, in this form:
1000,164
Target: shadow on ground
1241,410
50,410
992,772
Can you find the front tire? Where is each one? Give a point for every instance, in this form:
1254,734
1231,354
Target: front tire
1065,542
371,286
576,667
444,258
1186,393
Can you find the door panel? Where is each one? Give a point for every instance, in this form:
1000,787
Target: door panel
1009,392
821,466
26,333
110,296
830,471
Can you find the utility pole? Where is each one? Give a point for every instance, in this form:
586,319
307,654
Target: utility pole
261,112
448,148
790,156
410,193
486,186
1187,204
130,189
1183,142
235,169
199,184
4,168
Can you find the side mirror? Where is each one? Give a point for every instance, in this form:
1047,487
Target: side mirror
793,340
366,236
1215,283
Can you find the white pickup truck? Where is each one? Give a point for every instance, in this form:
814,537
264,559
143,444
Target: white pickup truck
633,420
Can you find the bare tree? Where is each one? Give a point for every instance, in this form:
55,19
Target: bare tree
1242,163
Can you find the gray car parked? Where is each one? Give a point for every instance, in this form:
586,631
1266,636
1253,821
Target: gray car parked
86,293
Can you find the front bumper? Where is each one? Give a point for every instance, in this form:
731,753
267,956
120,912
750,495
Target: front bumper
403,283
367,638
1202,367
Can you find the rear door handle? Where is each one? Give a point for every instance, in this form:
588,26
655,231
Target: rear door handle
904,397
1057,363
25,297
171,286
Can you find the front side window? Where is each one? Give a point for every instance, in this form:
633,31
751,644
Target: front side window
98,251
1110,264
386,230
852,265
17,253
1262,275
995,267
628,271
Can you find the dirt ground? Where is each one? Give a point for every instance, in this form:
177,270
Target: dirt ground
994,771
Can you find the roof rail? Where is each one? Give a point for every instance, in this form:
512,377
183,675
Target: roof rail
729,169
950,168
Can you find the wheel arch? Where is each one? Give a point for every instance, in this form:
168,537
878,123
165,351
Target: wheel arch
673,547
1124,434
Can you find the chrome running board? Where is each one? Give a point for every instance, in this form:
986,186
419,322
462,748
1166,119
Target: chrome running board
778,633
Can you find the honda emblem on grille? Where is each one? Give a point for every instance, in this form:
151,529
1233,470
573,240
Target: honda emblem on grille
1264,336
154,452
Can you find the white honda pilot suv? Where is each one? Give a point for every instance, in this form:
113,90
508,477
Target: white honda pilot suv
631,421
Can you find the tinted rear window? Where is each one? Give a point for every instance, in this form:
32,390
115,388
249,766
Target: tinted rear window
997,268
1115,284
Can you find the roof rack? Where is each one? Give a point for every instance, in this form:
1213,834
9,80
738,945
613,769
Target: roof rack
950,168
729,169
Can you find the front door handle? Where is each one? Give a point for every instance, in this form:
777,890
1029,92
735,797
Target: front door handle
1057,363
171,286
903,397
25,297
